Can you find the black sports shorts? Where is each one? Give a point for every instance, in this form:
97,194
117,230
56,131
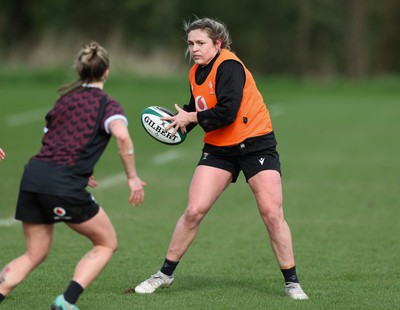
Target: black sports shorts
48,209
250,163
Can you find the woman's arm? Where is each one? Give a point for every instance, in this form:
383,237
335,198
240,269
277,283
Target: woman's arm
120,131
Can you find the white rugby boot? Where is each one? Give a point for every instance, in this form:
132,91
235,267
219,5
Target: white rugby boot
158,280
294,291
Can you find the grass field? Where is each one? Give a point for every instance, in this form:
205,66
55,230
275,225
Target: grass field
339,145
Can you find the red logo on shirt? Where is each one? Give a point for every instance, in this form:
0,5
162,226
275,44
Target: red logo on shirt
201,104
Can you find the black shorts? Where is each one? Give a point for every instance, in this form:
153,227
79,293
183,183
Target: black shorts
47,209
250,163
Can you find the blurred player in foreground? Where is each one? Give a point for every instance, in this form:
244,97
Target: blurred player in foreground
226,103
53,186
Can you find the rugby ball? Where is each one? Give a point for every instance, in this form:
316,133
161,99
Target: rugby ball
155,127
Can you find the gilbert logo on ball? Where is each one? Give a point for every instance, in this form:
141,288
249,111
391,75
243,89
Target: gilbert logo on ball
155,127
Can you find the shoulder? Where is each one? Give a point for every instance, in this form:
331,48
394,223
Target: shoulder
113,111
229,61
231,67
231,64
110,102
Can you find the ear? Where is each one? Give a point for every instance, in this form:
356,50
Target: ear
219,43
105,75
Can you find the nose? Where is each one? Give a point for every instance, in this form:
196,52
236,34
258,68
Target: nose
195,47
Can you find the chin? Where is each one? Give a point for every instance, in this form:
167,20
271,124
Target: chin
199,62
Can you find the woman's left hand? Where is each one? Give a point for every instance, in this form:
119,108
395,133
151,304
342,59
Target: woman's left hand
179,121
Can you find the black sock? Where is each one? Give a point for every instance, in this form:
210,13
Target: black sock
72,293
290,275
2,297
168,267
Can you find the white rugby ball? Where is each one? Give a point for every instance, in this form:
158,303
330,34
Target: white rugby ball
155,127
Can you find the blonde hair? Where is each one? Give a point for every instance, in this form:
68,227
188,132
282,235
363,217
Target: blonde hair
91,63
216,30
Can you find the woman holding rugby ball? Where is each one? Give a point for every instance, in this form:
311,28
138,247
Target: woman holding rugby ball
226,103
53,186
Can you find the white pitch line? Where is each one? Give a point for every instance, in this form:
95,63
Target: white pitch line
166,157
27,117
8,222
111,181
119,178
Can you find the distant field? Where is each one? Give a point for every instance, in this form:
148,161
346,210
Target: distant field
339,145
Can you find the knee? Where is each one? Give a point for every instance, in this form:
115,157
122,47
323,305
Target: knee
193,215
273,220
36,258
106,249
113,245
110,244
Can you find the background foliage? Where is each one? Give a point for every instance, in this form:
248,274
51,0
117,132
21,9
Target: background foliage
305,38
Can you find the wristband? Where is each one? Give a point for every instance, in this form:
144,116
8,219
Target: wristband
130,152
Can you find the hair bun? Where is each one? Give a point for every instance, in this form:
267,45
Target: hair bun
93,46
89,50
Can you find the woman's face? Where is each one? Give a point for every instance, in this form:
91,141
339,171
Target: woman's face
202,49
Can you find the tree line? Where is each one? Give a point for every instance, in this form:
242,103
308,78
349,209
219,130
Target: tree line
356,38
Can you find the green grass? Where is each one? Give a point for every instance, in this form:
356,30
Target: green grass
339,146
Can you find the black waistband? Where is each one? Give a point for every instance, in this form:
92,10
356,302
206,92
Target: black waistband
249,145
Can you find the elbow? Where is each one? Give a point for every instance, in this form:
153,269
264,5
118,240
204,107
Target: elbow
230,119
123,140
